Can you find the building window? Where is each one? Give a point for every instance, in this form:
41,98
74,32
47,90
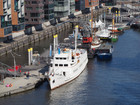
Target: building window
35,19
7,31
35,14
18,27
26,20
29,8
34,2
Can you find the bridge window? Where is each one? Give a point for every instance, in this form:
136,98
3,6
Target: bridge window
60,65
65,65
56,64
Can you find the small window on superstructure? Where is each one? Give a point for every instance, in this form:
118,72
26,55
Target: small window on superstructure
64,58
56,58
56,64
60,65
61,58
65,65
51,65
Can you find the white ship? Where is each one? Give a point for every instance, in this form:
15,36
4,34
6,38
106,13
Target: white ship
103,34
97,24
66,65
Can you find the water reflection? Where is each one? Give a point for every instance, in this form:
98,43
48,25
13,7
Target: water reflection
67,94
40,46
116,82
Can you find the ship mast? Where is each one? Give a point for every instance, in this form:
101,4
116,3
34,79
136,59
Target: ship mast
92,18
112,23
76,33
54,50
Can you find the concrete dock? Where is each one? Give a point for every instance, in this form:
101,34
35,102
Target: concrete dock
21,84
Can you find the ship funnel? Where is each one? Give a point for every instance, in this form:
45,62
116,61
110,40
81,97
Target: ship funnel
78,35
50,50
73,33
58,50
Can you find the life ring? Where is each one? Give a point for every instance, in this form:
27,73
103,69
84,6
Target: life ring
77,54
65,49
10,85
7,85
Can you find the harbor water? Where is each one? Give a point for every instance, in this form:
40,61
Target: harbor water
114,82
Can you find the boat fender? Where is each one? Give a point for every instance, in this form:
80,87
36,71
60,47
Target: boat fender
7,85
52,74
49,79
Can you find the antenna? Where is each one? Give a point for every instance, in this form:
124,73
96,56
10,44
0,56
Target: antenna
76,32
55,38
92,18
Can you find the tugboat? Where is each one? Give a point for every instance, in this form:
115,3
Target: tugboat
104,34
105,52
66,64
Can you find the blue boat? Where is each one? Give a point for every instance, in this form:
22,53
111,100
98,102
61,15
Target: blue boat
104,52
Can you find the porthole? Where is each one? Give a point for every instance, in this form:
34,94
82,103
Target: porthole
53,81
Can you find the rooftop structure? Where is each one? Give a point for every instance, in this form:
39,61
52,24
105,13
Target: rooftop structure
64,8
108,2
